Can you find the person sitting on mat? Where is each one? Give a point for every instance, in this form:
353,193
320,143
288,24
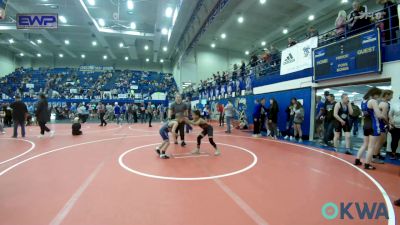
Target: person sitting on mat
76,127
207,130
170,126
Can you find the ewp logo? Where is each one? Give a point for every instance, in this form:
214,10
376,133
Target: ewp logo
37,21
363,211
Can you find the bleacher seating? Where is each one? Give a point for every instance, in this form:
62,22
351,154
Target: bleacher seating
69,83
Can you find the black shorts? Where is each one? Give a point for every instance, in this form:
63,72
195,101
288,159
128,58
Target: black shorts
208,131
339,127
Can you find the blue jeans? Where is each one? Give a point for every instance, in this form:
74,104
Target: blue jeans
16,124
328,131
228,123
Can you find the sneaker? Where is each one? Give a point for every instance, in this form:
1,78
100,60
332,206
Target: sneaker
348,152
183,144
255,135
291,138
217,152
358,162
368,167
3,132
300,140
52,133
196,151
397,202
40,136
164,156
377,161
158,151
286,137
176,142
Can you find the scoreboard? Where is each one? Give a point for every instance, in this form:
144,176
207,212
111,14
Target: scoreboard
358,54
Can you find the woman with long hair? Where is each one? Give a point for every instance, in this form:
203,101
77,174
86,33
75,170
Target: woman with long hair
273,117
371,116
289,119
340,23
384,107
43,115
298,120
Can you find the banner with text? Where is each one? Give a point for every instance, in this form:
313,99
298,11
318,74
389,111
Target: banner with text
298,57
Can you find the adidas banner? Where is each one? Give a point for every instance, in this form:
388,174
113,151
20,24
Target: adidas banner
298,57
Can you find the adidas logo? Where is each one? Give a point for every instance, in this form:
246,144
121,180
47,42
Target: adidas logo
289,59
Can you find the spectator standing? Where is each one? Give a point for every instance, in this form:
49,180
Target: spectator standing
259,105
220,109
355,118
102,112
149,111
341,23
384,107
229,112
359,20
391,20
298,120
289,119
19,111
291,42
394,119
329,118
312,32
273,117
319,131
43,116
117,112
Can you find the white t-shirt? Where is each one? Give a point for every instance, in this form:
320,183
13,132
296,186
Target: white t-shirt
395,114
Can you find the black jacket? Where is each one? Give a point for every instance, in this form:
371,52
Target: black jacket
42,111
19,111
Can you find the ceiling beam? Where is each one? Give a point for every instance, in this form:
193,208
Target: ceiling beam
23,38
130,43
56,42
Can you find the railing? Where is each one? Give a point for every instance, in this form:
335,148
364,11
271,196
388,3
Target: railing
386,20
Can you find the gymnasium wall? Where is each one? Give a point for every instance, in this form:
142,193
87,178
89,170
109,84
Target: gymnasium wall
203,61
7,62
283,98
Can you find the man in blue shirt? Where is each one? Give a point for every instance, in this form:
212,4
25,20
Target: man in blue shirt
117,112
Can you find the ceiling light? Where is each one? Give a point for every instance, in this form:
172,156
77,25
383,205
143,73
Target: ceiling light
355,93
60,55
344,1
213,45
146,47
129,4
104,57
102,22
39,55
350,96
147,59
94,43
133,25
66,42
168,12
62,19
39,41
91,2
32,42
247,52
126,58
165,48
164,31
240,19
11,41
161,60
263,1
21,54
263,43
327,89
369,86
83,56
223,36
121,45
311,17
285,31
340,91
